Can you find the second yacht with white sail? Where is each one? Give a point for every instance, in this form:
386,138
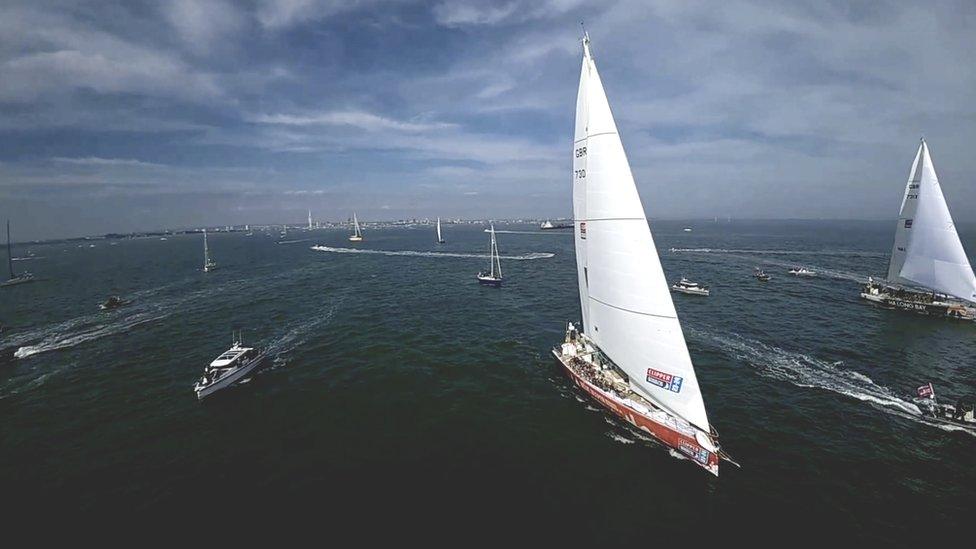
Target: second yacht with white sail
929,271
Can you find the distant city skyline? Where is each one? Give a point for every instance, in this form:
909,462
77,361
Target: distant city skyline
142,116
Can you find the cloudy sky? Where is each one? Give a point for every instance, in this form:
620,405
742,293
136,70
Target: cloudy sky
118,116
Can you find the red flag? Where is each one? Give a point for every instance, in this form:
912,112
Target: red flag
926,391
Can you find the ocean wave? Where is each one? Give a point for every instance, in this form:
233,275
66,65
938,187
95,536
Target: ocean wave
616,437
297,334
411,253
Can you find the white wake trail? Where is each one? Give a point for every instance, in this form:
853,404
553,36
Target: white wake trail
410,253
811,372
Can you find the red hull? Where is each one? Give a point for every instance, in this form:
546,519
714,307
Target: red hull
683,443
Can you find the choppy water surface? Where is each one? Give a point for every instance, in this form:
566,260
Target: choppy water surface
401,389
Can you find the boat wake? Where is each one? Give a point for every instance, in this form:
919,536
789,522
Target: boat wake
101,324
411,253
294,241
298,333
497,231
850,253
821,271
811,372
87,333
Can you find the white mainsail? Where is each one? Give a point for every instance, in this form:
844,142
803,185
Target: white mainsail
927,251
355,223
493,257
627,308
208,262
439,238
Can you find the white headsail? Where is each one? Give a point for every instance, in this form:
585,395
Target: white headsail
927,251
627,308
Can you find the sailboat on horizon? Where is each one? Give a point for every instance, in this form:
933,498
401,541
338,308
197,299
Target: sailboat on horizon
440,239
208,263
492,276
929,271
357,235
630,354
14,279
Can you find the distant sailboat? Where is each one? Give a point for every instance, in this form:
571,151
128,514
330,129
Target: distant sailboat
208,263
14,279
493,276
310,220
927,253
440,239
357,235
631,355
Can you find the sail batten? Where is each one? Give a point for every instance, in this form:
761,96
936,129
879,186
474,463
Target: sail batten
927,251
624,297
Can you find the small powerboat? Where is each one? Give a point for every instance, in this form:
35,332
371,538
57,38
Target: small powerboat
229,368
113,302
960,414
686,286
761,275
802,271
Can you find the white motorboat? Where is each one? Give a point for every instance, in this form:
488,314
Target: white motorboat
802,271
686,286
229,368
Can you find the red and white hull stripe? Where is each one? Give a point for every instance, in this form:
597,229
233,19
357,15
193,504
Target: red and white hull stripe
665,427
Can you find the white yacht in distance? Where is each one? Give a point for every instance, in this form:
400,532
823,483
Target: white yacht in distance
208,263
229,368
929,271
14,279
630,356
440,239
493,276
357,235
686,286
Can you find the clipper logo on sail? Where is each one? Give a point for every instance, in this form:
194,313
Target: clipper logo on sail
665,381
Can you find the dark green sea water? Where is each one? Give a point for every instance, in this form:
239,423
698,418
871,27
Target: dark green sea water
407,401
